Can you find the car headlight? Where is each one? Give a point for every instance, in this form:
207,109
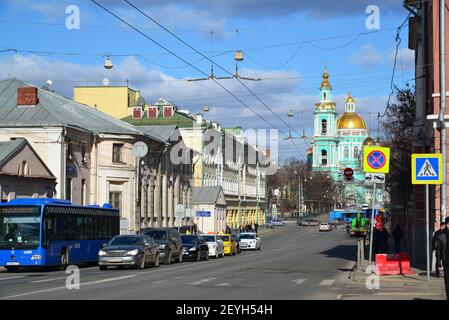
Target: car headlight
193,249
101,253
133,252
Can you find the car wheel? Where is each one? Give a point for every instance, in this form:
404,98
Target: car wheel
216,254
102,268
180,257
156,263
141,264
63,260
198,256
207,256
168,260
12,269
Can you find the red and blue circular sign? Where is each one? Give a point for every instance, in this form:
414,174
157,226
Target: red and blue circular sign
376,159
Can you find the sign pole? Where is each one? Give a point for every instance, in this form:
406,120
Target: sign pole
372,225
427,233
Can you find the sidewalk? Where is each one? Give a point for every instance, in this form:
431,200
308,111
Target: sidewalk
393,287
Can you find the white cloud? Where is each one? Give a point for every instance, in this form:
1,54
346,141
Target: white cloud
367,57
405,59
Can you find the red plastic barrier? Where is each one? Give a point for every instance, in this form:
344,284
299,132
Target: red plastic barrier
398,263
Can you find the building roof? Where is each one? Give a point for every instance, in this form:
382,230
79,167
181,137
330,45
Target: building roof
351,120
56,110
165,132
206,195
8,149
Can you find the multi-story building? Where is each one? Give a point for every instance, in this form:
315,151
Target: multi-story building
90,153
243,183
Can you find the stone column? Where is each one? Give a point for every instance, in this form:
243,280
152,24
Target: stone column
170,205
176,199
151,199
157,200
164,200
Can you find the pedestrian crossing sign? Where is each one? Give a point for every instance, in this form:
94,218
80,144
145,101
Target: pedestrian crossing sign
427,168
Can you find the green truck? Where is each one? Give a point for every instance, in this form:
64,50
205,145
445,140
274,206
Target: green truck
359,226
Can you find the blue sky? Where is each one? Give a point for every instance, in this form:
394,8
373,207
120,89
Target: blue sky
269,33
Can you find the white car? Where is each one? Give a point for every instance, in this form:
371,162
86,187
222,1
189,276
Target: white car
250,241
324,226
215,244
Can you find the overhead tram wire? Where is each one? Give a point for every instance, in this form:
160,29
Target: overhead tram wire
210,60
194,67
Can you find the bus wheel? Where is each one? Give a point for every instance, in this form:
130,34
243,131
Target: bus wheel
12,269
64,260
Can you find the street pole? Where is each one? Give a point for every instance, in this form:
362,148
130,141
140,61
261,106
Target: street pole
427,233
372,225
443,104
137,197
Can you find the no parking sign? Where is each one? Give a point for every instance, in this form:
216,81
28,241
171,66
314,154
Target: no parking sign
376,159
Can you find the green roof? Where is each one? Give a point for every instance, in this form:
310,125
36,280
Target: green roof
179,119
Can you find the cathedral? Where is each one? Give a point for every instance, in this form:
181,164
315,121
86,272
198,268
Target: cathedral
337,144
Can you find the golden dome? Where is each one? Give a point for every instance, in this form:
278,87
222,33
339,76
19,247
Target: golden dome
325,83
350,98
369,142
350,120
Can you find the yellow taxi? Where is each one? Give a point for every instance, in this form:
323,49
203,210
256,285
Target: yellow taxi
230,246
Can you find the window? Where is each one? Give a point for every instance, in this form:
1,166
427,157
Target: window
115,200
69,150
168,112
23,169
137,113
323,127
346,152
152,113
117,153
68,189
83,192
323,157
356,152
83,153
324,96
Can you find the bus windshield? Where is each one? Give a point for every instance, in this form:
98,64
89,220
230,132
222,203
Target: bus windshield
19,227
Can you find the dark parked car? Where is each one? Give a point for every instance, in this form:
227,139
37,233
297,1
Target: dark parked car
169,242
129,250
194,247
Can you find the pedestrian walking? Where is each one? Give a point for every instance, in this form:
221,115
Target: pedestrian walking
436,234
442,249
256,227
397,237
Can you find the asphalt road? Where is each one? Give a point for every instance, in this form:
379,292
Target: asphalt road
294,263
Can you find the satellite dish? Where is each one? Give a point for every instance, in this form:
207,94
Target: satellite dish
105,82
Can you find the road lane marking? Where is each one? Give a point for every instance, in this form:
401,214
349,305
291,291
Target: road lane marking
297,282
223,284
10,278
48,280
59,288
201,281
160,281
327,282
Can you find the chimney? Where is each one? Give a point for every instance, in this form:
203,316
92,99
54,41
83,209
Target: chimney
27,96
199,118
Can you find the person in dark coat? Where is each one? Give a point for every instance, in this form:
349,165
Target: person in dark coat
436,234
397,237
256,227
442,248
380,240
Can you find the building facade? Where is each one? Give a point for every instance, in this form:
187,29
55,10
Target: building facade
338,143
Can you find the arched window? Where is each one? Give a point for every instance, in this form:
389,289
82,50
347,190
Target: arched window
346,152
323,127
323,157
324,96
23,169
356,152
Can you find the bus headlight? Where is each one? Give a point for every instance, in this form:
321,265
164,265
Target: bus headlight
36,257
101,253
133,252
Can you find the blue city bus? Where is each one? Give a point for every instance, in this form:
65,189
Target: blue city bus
53,232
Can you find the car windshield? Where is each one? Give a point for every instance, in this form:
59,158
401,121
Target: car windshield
20,227
125,241
208,238
157,234
224,238
189,239
247,236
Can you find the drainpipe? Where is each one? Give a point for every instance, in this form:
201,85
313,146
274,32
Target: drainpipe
443,105
62,194
95,188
